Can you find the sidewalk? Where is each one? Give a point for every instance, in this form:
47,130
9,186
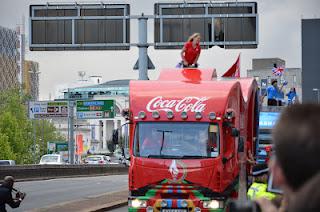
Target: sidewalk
97,203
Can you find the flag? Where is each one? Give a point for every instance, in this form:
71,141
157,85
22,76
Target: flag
79,140
277,71
234,70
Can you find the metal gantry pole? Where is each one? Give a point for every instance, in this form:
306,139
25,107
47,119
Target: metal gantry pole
143,48
34,142
70,129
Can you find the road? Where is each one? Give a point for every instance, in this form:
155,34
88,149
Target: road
122,209
49,192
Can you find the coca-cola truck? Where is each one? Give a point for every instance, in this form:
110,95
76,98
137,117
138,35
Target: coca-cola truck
189,133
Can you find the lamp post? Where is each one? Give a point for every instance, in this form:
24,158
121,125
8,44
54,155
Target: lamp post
34,84
317,91
34,94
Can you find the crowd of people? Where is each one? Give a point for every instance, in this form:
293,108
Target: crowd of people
295,165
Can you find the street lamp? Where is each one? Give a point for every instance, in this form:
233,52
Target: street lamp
316,90
35,84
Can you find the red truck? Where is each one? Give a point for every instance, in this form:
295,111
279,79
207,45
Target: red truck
189,133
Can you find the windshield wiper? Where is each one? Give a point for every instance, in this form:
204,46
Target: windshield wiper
162,140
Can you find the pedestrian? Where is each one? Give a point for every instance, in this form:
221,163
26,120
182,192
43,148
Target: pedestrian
191,51
296,141
6,189
259,186
292,96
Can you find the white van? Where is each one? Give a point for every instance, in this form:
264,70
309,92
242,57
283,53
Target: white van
52,159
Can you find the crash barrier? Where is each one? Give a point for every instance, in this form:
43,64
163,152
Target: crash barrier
30,172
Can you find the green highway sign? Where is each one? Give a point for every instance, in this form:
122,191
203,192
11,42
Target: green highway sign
95,109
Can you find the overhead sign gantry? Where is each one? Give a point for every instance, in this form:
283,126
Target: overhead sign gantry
227,24
57,26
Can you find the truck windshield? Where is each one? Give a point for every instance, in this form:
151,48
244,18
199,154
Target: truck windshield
176,140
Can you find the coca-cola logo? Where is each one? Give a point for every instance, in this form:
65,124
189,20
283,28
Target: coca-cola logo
189,103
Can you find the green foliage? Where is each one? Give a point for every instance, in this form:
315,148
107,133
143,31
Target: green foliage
43,132
18,133
6,151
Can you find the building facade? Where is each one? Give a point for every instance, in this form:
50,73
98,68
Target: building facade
31,79
262,72
9,68
311,60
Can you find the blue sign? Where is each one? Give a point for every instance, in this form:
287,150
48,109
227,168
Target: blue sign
268,119
93,103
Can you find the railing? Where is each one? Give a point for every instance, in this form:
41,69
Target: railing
272,108
33,172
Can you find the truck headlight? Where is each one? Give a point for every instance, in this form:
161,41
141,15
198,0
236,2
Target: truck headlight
184,203
137,203
213,204
164,203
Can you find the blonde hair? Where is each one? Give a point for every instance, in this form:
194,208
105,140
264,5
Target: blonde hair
193,36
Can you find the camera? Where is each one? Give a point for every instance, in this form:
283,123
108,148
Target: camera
248,206
19,194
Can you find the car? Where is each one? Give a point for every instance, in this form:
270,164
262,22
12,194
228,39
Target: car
51,159
98,159
7,163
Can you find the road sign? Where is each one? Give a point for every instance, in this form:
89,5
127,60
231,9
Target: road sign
96,109
226,24
58,26
48,109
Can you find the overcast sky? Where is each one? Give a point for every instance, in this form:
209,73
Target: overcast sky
279,36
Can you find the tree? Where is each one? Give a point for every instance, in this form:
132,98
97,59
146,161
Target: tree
45,131
17,131
6,151
15,125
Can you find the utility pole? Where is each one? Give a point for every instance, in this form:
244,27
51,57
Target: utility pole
70,129
34,141
317,91
143,48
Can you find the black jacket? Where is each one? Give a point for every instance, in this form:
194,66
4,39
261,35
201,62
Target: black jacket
6,198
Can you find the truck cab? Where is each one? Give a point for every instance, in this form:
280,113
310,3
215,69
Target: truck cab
186,132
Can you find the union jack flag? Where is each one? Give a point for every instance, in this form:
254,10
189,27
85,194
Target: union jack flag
277,71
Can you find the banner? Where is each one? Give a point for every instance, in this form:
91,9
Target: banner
79,139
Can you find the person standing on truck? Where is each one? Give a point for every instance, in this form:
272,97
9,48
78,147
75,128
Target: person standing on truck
292,96
191,51
273,92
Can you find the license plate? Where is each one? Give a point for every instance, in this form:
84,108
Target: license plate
174,210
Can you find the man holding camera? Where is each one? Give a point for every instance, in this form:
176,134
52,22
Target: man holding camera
297,147
6,189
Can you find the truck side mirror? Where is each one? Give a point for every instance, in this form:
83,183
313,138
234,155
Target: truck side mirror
241,145
235,132
224,160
